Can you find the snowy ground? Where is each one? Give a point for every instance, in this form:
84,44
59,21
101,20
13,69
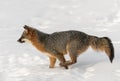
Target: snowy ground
22,62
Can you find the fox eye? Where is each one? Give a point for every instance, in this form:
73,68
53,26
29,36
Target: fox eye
25,32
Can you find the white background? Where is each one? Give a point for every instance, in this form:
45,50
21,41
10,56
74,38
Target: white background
22,62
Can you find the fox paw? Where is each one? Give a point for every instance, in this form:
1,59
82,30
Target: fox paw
51,66
63,65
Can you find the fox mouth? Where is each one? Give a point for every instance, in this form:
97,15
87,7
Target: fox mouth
21,41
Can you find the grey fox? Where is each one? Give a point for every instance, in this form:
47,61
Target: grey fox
57,44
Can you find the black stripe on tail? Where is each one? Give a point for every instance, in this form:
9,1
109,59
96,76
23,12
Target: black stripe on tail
111,57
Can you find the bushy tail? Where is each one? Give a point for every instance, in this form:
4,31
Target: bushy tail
103,44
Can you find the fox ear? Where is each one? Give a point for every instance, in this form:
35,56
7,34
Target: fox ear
26,27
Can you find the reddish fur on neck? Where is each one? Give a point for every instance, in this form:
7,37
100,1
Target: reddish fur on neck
35,41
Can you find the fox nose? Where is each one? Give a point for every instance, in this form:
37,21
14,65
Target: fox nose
20,40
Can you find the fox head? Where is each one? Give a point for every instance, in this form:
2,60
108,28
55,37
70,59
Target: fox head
27,34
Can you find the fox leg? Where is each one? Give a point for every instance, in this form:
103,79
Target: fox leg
73,56
60,57
52,62
62,60
72,50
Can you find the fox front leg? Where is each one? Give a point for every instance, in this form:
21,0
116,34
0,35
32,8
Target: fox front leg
58,56
52,62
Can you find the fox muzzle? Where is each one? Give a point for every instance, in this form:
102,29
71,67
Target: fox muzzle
20,40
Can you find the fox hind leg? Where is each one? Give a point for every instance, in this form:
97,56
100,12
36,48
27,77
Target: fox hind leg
74,49
73,56
56,55
70,62
60,57
62,60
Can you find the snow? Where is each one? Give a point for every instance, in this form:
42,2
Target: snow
22,62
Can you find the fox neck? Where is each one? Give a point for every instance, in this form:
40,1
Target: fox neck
38,41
